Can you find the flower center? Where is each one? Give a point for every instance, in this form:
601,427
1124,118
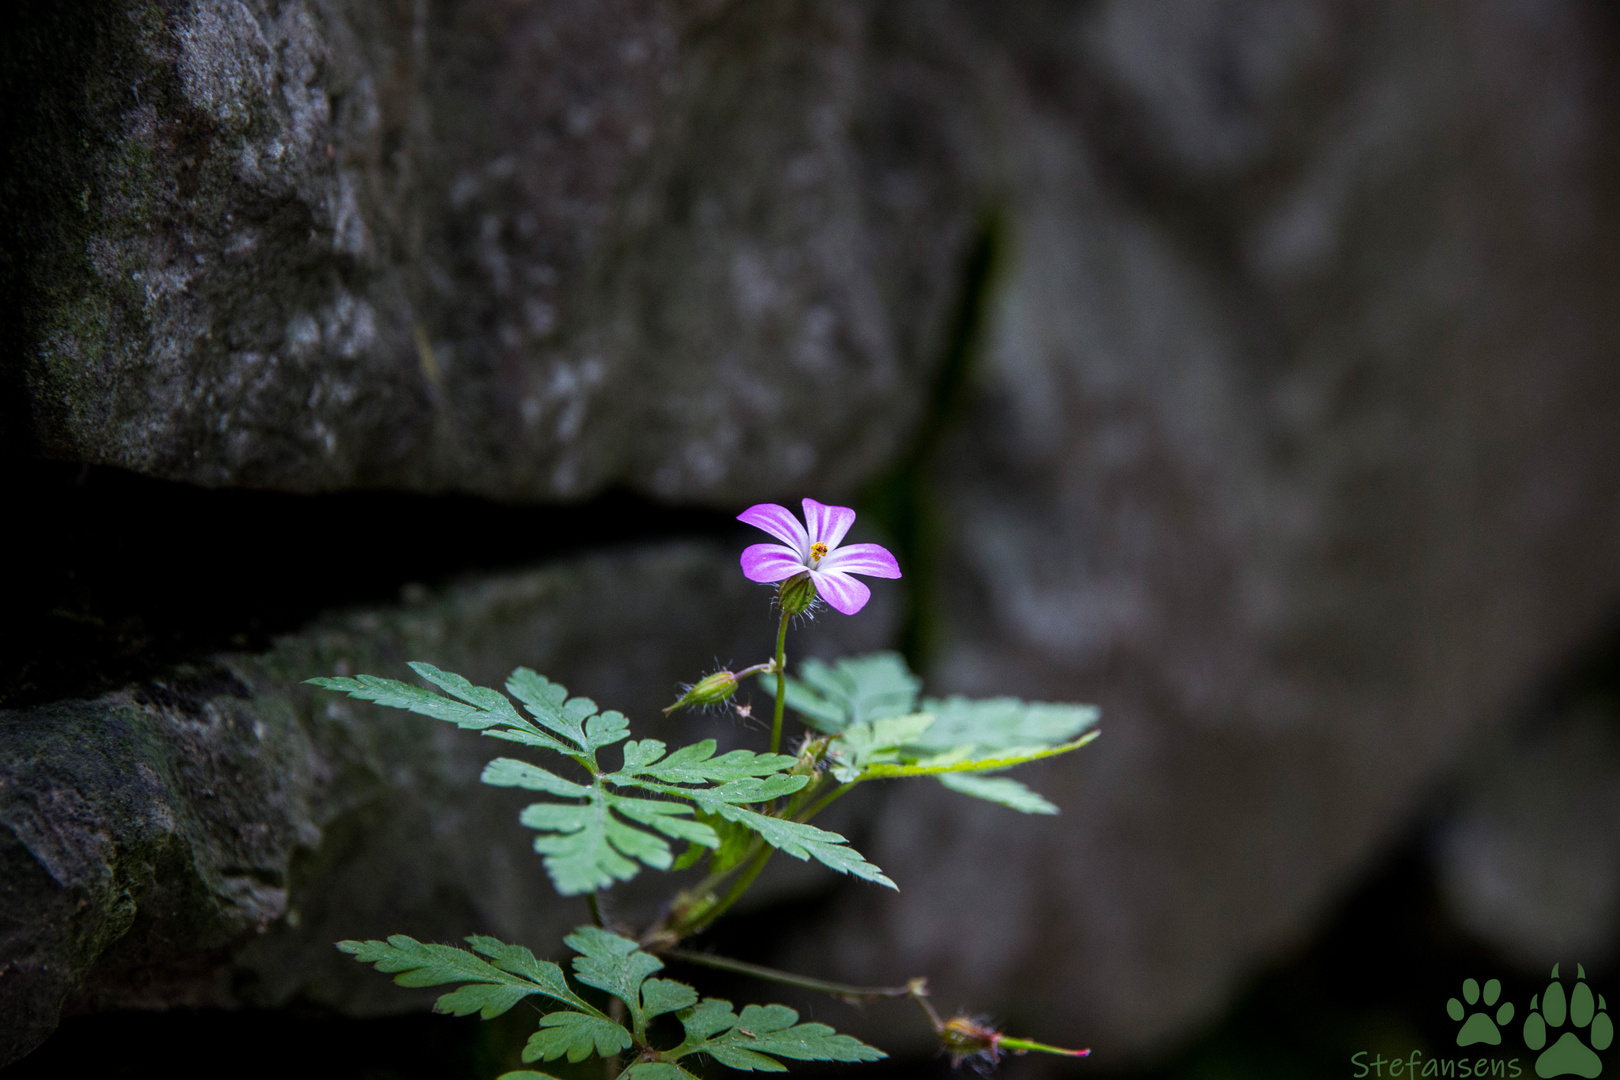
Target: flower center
817,551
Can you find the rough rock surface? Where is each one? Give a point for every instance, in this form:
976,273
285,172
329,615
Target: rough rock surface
1290,441
203,838
525,250
1304,489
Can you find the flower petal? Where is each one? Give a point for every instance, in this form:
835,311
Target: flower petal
873,560
828,524
840,590
780,523
770,562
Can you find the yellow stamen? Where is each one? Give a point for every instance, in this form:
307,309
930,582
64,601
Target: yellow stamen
817,550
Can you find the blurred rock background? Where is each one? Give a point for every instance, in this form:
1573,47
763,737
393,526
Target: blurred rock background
1243,366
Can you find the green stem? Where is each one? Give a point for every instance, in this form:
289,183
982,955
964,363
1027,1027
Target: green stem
781,684
787,978
596,910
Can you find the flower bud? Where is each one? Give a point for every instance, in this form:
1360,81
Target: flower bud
796,594
964,1037
709,690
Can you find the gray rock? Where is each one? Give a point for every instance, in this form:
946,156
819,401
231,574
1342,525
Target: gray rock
204,838
520,250
1290,441
1291,445
1529,860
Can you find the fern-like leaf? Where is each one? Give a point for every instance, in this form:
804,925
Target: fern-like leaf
1000,790
752,1041
492,988
852,691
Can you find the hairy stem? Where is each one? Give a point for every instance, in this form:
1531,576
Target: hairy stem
610,1065
596,909
781,684
787,978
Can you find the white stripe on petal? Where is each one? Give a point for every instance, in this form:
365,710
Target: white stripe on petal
770,562
780,523
841,591
828,524
873,560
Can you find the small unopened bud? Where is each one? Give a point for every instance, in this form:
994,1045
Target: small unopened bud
709,690
795,595
964,1037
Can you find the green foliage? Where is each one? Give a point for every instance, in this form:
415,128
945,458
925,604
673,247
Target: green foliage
999,789
583,731
617,965
763,1033
607,836
590,845
602,828
883,730
1000,725
852,691
808,842
492,987
697,764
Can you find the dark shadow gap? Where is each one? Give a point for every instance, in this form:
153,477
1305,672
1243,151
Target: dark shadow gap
125,575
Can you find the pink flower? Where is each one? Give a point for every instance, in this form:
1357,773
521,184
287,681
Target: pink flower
815,550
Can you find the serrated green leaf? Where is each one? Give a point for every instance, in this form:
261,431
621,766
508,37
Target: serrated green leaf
660,996
605,729
765,1019
854,690
734,1056
543,699
579,856
479,708
524,1074
735,792
533,738
953,763
1000,724
592,844
708,1017
494,989
520,961
871,741
807,842
576,1036
638,755
999,789
664,817
656,1070
776,1031
397,695
491,701
743,792
615,964
509,772
485,999
743,1042
575,719
696,764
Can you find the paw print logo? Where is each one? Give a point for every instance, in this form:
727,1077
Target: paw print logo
1569,1056
1480,1028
